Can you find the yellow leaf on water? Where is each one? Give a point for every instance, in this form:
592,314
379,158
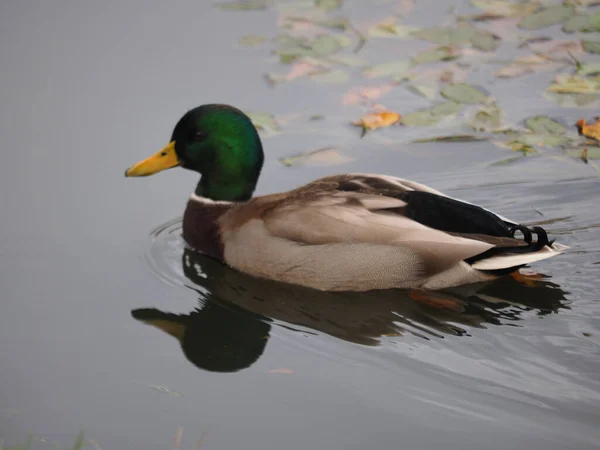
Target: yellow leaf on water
282,371
591,130
379,119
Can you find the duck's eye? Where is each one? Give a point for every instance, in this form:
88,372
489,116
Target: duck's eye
199,135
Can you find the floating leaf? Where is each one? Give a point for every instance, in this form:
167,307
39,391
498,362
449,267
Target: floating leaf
298,70
545,125
243,5
505,8
388,28
331,76
328,5
538,140
445,53
432,115
465,93
322,156
574,84
592,153
347,60
583,23
591,130
325,45
378,119
362,94
591,46
485,41
573,100
461,34
263,121
487,119
251,40
551,15
387,69
428,92
453,138
524,66
285,371
588,69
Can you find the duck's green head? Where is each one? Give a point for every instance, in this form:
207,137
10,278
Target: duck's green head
219,142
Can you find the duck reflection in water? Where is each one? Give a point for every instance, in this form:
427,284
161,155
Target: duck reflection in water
230,331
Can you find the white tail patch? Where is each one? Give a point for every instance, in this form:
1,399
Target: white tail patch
513,260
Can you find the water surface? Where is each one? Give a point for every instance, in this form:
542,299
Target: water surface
108,324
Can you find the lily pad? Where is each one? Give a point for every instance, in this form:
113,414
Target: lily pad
592,152
574,84
485,41
546,17
573,100
545,125
583,23
328,5
445,53
325,45
432,115
390,29
263,121
461,34
465,93
251,40
331,76
387,69
505,8
243,5
524,66
541,140
428,92
323,156
453,138
487,119
591,46
588,69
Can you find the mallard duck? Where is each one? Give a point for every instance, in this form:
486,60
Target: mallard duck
350,232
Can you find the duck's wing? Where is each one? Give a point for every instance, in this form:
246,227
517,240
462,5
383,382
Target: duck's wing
359,231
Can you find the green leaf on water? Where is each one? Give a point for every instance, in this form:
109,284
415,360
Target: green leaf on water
325,45
322,156
432,115
328,5
263,121
592,152
574,84
391,29
428,92
485,41
330,76
347,60
79,443
387,69
505,8
591,46
545,125
461,34
572,100
487,119
588,69
541,140
465,93
243,5
453,138
445,53
576,23
251,40
546,17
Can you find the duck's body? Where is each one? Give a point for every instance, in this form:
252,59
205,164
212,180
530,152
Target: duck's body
351,232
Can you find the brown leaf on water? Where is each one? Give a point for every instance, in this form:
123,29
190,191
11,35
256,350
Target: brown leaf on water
591,130
378,119
366,94
284,371
556,47
524,66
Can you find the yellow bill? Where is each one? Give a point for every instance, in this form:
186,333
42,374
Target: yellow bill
164,159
